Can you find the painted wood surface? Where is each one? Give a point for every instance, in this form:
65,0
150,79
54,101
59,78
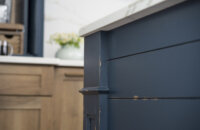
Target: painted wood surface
170,27
144,75
169,114
170,72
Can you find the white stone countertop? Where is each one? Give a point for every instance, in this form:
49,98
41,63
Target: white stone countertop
40,61
132,12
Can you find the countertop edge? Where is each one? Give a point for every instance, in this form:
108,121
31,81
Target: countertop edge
40,61
126,15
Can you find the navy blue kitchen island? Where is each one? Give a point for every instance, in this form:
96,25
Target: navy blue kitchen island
142,68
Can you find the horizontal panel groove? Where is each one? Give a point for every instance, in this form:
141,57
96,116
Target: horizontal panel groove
155,98
157,49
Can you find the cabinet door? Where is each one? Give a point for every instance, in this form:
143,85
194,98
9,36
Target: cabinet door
25,113
68,102
26,79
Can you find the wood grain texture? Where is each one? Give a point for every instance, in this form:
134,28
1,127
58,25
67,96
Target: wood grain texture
19,119
26,80
28,102
25,113
68,102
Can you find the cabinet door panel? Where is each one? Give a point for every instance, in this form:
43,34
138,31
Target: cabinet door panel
14,119
25,113
68,102
26,80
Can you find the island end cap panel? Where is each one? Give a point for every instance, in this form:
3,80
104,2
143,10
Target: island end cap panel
154,114
172,72
132,12
173,26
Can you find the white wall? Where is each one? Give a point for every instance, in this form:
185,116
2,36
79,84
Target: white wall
69,15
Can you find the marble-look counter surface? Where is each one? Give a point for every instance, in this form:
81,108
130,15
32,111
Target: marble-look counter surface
40,61
132,12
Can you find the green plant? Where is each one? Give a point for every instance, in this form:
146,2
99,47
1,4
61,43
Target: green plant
66,39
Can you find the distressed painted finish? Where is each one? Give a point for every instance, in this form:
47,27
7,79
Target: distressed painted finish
95,83
145,74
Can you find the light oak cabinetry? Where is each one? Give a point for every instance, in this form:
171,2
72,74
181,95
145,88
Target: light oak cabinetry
25,113
26,79
40,97
68,103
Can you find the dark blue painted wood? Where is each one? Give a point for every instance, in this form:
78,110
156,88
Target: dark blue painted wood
173,26
171,72
156,57
26,8
95,82
35,27
154,114
91,61
33,21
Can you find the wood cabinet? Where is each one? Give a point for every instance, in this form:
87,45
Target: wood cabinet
40,97
26,79
25,113
68,103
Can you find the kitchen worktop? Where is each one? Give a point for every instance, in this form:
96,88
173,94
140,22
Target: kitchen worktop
132,12
40,61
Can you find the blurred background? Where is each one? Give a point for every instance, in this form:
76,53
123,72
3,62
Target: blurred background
27,25
70,15
32,27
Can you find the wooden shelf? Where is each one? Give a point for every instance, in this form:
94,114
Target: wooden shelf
7,26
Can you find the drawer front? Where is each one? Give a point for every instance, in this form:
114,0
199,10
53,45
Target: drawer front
158,114
26,80
172,72
26,113
170,27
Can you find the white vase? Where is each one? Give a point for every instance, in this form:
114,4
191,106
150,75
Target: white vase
69,52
